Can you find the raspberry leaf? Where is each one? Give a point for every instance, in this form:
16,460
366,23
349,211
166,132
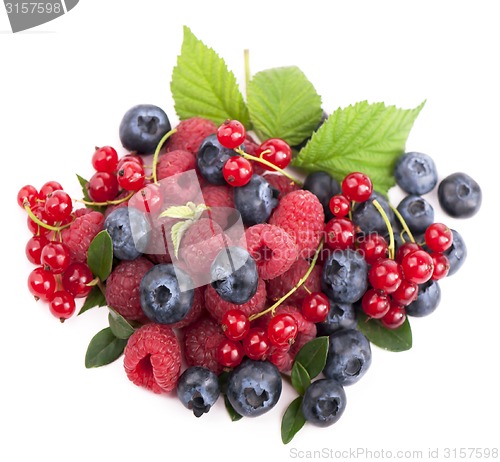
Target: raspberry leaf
399,339
293,420
104,348
300,378
94,298
312,356
362,137
119,325
230,410
100,255
283,103
202,85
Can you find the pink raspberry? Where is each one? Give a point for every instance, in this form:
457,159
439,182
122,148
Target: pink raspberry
301,215
80,234
282,284
158,250
122,287
220,199
280,182
272,248
201,340
190,134
195,312
218,307
152,358
173,162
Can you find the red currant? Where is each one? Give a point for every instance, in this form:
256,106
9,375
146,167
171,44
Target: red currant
148,199
237,171
55,257
315,307
131,176
34,248
395,317
28,194
256,344
280,153
406,293
230,353
357,187
438,237
41,283
373,246
339,234
131,158
235,324
58,206
441,266
76,278
231,134
385,275
62,305
105,159
417,266
405,249
282,329
339,205
48,188
103,187
375,304
35,228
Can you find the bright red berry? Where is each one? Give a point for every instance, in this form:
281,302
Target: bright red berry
339,234
441,266
35,228
105,159
279,153
375,304
282,329
256,344
62,305
438,237
406,293
131,158
315,307
231,134
103,187
373,246
237,171
76,278
148,199
58,206
235,324
28,194
385,275
55,257
417,266
230,353
339,205
357,187
131,176
395,317
405,249
34,248
48,188
41,283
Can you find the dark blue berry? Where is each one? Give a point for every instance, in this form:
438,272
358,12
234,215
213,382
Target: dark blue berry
142,128
368,218
340,316
234,275
345,276
211,158
323,186
416,173
254,387
324,402
428,298
349,356
459,195
416,212
198,389
256,200
163,299
457,253
130,232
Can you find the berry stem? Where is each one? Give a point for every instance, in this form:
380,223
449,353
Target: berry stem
403,223
157,152
377,205
40,222
302,280
104,204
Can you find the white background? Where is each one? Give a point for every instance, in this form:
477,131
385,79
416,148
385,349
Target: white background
64,87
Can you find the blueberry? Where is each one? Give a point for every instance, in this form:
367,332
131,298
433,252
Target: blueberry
198,389
415,173
345,276
349,356
457,253
323,186
254,387
142,128
256,200
211,158
324,402
340,316
130,232
459,195
162,299
368,218
416,212
234,275
428,298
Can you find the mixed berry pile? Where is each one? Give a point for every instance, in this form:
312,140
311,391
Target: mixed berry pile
207,312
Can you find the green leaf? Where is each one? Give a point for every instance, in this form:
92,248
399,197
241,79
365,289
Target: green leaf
119,325
230,410
312,356
178,211
293,420
177,231
399,339
300,378
83,183
94,298
202,85
104,348
100,255
283,103
363,137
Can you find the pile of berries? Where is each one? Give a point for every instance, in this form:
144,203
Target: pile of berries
311,258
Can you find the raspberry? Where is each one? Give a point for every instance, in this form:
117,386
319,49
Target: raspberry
152,358
301,215
218,307
158,247
196,310
173,162
122,287
80,234
280,285
201,340
190,133
280,182
272,248
220,199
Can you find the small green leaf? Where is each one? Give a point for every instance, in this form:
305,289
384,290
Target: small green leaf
202,85
178,211
283,103
119,325
100,255
399,339
300,378
293,420
83,183
363,137
230,410
177,231
94,298
312,356
104,348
